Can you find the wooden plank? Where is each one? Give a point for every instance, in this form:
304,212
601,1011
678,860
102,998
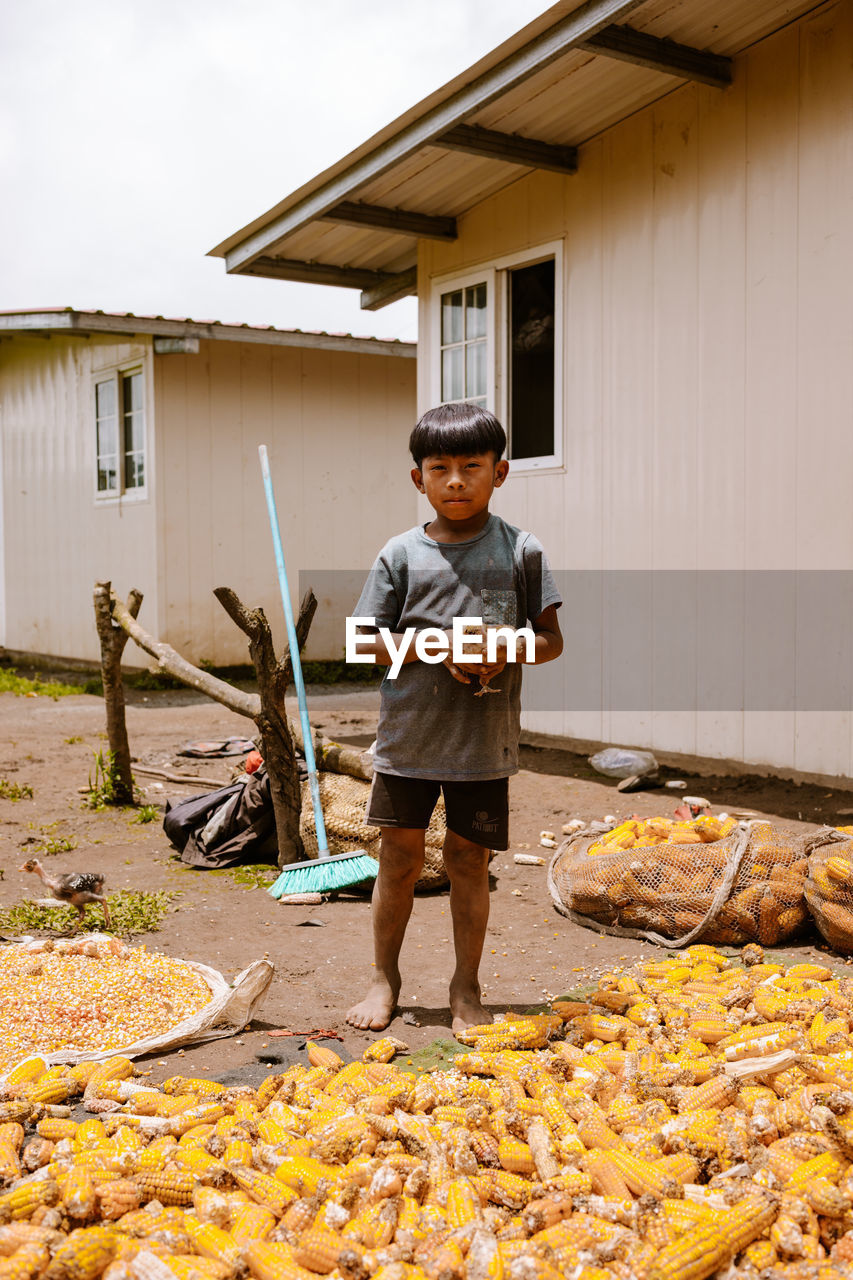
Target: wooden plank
402,285
530,152
316,273
405,221
628,45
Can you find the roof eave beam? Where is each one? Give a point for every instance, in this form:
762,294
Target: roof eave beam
510,147
540,52
317,273
400,285
430,226
628,45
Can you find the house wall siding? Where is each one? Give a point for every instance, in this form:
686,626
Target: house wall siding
708,380
336,425
58,538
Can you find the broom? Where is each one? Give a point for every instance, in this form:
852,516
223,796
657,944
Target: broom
327,872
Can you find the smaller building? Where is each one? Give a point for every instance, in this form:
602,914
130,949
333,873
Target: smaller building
130,452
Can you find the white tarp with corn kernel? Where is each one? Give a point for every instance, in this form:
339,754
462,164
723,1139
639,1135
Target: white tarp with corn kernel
231,1007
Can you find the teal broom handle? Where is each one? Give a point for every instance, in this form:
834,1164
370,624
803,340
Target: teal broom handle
295,660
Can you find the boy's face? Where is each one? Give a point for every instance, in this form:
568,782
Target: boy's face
459,486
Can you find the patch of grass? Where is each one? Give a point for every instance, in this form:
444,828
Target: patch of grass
94,685
437,1056
75,737
11,682
15,790
52,845
105,787
132,912
146,813
257,875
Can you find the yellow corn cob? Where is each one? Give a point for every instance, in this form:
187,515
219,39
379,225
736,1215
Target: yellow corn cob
516,1156
695,1256
90,1133
252,1222
10,1165
211,1241
720,1091
238,1152
26,1198
273,1262
83,1255
641,1176
46,1090
826,1165
170,1185
204,1113
195,1085
25,1072
198,1161
117,1068
839,869
320,1250
463,1202
264,1190
117,1198
27,1262
320,1056
78,1194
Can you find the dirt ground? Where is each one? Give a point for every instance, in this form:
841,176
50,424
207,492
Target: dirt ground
323,954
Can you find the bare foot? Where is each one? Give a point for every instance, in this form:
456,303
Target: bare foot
466,1008
376,1010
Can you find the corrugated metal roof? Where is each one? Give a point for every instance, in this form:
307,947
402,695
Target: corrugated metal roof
555,92
70,320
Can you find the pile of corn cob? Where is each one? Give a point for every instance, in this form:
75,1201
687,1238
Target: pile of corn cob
695,1120
90,995
637,833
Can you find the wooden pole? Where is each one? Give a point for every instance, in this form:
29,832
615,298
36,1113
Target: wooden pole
113,639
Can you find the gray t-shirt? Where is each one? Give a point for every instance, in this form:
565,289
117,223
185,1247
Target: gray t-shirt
430,725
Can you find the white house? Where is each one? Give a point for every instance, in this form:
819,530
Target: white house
630,230
130,452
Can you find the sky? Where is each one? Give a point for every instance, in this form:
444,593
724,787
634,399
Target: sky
137,134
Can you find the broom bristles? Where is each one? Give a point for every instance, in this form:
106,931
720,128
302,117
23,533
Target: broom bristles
326,875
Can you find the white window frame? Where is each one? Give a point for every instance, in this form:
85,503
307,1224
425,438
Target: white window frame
495,275
116,375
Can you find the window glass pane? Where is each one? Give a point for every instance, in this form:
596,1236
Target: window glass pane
475,311
452,369
105,399
451,317
134,470
475,369
532,294
107,478
134,430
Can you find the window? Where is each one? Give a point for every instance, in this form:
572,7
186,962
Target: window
498,339
120,434
463,344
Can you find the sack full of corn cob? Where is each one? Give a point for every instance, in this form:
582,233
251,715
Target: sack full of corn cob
672,882
69,999
829,888
691,1120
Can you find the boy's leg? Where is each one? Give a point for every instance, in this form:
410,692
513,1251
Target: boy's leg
468,868
400,862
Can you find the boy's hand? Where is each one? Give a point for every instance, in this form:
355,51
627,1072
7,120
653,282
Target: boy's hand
456,671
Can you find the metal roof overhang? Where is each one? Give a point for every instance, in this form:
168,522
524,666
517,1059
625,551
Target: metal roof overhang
530,103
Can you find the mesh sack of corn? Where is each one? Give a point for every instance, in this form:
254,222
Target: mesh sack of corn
344,811
829,887
672,882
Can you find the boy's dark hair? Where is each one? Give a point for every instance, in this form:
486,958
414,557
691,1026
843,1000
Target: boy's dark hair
457,428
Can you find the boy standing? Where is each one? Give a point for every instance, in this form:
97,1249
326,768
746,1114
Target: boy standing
435,732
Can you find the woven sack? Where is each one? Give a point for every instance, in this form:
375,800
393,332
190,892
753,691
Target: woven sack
829,887
344,802
746,887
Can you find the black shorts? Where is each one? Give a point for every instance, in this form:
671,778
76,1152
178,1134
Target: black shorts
477,811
